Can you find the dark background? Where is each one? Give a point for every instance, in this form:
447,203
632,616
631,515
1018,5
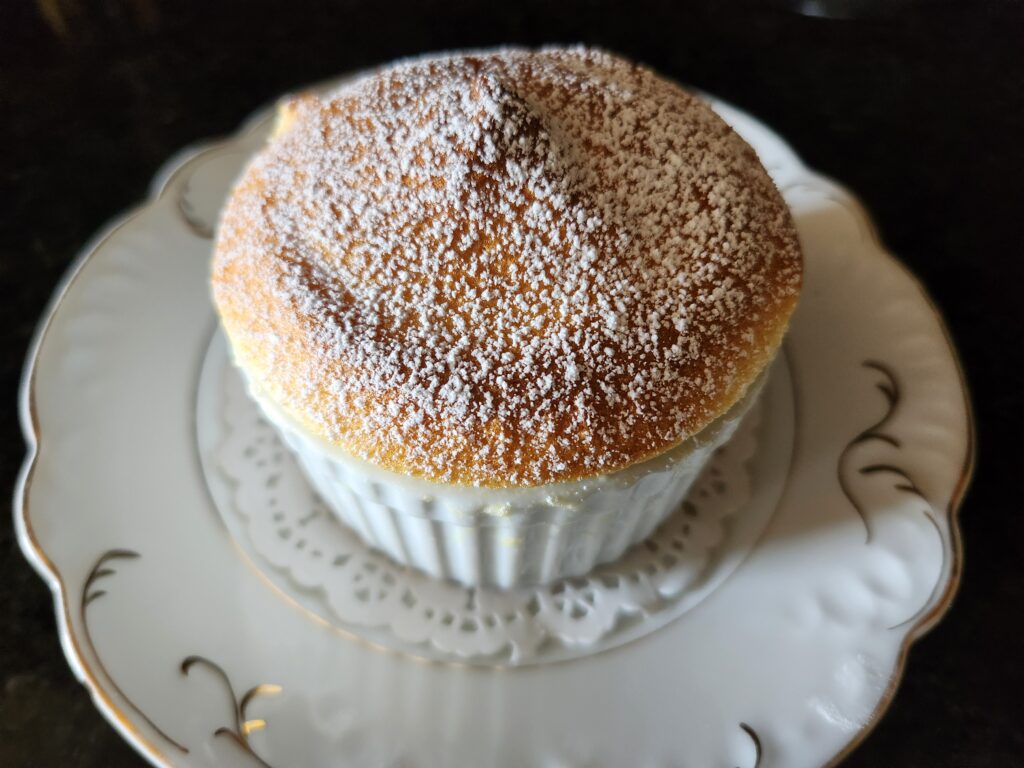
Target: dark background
917,106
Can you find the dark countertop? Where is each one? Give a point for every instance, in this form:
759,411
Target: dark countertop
917,106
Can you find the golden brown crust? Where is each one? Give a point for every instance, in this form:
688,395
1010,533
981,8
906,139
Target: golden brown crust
513,268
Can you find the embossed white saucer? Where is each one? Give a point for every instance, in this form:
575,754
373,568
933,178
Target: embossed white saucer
200,658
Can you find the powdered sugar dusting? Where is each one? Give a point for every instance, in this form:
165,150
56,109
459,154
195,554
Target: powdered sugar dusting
507,268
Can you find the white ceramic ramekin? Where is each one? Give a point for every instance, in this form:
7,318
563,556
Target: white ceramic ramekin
503,537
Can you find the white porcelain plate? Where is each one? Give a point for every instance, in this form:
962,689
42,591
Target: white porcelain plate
200,658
